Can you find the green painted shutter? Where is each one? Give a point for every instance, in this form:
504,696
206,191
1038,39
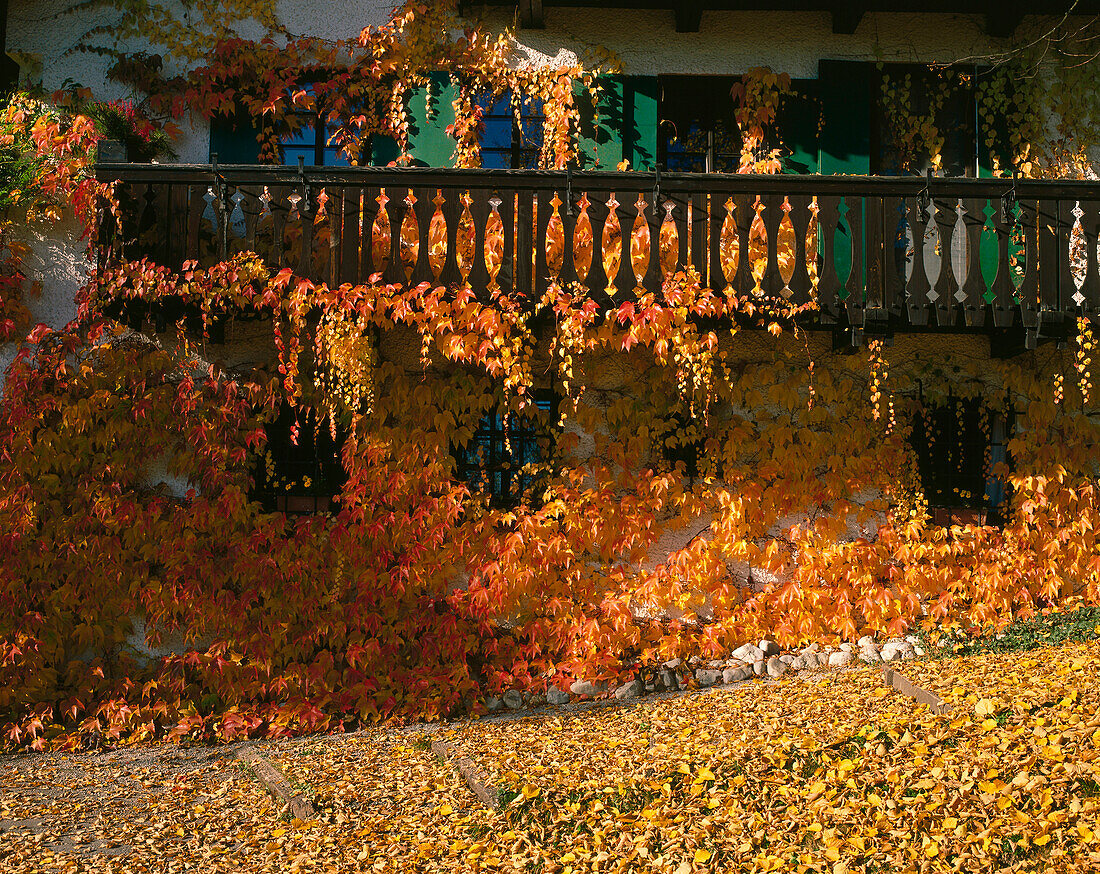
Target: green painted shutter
601,128
233,139
797,125
430,112
640,121
845,140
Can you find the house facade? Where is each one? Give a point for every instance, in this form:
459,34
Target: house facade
694,316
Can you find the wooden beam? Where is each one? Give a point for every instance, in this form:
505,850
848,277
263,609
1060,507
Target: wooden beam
1003,23
846,17
688,13
530,14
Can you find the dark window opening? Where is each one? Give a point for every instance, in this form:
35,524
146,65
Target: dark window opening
299,476
509,460
947,98
697,131
959,444
508,143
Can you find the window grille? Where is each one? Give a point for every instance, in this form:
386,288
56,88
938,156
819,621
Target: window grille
299,477
508,459
506,143
958,444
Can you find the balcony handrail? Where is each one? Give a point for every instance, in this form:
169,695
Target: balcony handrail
629,180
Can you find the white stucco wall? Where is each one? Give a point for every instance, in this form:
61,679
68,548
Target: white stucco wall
645,40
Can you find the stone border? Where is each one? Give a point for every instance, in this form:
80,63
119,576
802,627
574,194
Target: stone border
275,782
907,687
477,781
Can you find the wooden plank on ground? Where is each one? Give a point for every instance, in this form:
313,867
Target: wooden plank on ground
477,781
275,782
907,687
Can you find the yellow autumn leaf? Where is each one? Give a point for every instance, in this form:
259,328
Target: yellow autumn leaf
702,856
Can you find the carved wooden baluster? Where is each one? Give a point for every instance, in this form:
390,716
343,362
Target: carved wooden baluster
347,254
698,222
582,241
972,293
855,285
545,211
771,283
895,246
875,289
379,242
600,288
524,244
465,239
672,242
506,212
479,213
1028,292
1004,302
643,266
452,208
251,208
615,256
1088,297
917,285
1066,287
721,224
800,215
493,246
744,216
947,285
307,211
424,208
1051,255
828,283
568,214
196,205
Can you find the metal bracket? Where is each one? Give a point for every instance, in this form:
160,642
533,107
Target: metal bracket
924,199
1008,201
657,194
569,188
303,188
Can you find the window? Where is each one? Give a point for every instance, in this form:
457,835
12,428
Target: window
302,476
508,460
506,143
946,97
958,443
697,132
312,141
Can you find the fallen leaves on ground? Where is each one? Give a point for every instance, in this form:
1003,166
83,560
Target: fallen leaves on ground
835,773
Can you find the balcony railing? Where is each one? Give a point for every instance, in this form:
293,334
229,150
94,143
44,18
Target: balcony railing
875,253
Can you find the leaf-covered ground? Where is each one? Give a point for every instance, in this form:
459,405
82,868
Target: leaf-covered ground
835,773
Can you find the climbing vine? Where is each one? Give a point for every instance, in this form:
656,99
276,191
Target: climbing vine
700,484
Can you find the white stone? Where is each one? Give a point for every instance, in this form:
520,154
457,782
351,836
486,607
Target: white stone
787,659
870,655
865,641
759,667
733,675
707,676
847,647
588,689
776,668
796,664
673,664
557,696
768,647
840,659
493,704
513,699
633,689
747,652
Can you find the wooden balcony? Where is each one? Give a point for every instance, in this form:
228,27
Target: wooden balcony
866,255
